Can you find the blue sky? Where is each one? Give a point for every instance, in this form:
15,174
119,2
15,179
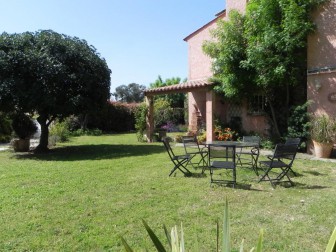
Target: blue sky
140,39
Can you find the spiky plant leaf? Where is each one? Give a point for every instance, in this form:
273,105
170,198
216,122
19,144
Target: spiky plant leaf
260,241
217,236
182,240
157,243
125,244
226,229
167,236
331,247
242,246
174,240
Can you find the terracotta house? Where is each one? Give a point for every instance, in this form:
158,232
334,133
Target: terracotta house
204,106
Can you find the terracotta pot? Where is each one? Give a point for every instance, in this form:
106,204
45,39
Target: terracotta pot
322,150
21,145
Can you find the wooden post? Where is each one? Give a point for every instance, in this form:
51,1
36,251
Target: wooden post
210,106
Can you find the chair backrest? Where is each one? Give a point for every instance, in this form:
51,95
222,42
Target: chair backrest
252,139
190,144
293,141
222,152
166,144
287,151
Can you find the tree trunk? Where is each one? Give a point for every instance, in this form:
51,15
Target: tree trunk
275,122
43,145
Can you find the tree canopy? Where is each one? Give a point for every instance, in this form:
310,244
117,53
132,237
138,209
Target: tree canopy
133,92
175,100
263,50
51,75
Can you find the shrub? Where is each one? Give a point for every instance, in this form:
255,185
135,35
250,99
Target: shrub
323,129
178,138
87,132
164,113
59,131
23,126
140,121
5,128
298,124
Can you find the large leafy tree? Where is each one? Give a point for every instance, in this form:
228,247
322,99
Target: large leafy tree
133,92
263,51
51,75
175,100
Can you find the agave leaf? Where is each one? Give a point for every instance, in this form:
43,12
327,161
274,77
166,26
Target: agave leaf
182,240
167,235
260,241
226,229
217,238
242,246
331,247
174,240
126,246
157,243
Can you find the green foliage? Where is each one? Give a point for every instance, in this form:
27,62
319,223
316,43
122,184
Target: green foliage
264,51
60,131
114,117
86,132
229,50
323,128
174,100
178,138
23,126
267,144
140,121
5,128
298,123
176,244
51,74
164,113
131,93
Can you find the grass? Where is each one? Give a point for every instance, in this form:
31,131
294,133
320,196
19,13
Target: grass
88,192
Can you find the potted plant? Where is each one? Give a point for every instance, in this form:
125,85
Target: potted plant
323,134
24,128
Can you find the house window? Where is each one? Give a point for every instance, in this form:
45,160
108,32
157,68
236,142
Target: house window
257,105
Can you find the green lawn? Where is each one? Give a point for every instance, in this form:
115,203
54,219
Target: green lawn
86,193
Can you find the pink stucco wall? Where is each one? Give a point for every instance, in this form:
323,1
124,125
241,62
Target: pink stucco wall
200,68
199,64
322,54
239,5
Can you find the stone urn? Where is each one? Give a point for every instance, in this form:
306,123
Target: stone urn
21,145
323,150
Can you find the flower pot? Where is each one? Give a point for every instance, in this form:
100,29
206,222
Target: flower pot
21,145
322,150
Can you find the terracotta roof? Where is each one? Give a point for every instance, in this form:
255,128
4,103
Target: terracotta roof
180,88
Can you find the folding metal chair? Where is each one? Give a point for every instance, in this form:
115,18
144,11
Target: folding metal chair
295,141
222,159
282,159
193,149
180,161
252,152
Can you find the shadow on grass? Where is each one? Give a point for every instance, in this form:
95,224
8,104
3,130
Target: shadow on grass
238,185
310,187
315,173
93,152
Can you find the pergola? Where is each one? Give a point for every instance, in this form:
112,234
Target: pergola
201,100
